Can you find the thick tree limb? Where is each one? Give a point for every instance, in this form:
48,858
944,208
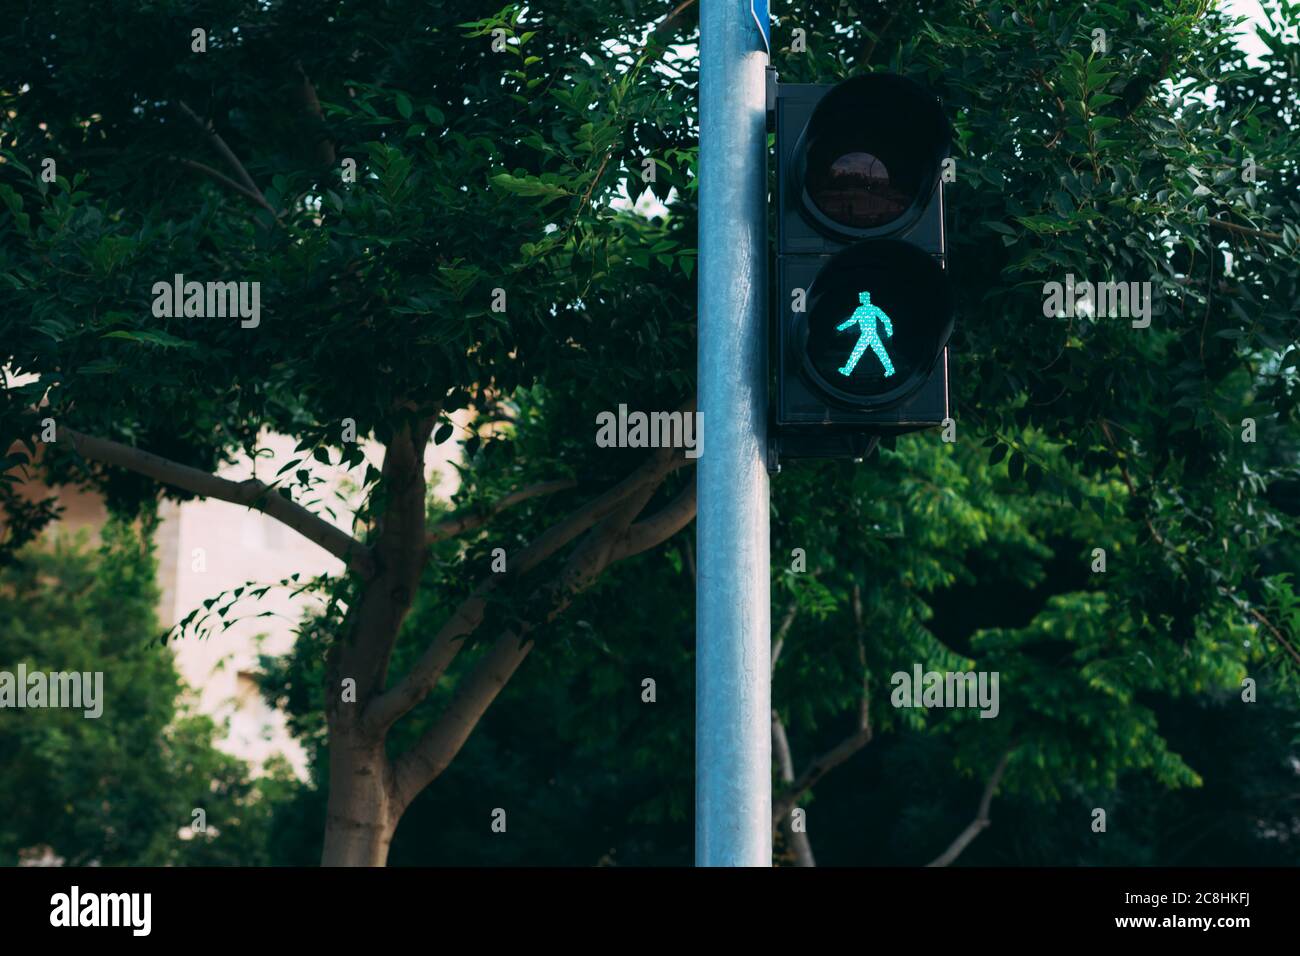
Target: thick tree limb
475,518
981,821
399,553
598,551
442,650
360,815
659,527
435,750
251,493
646,477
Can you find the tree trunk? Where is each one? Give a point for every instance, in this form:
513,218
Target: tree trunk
799,842
359,820
362,811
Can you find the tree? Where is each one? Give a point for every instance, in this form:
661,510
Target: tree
1090,148
118,788
980,576
478,264
470,258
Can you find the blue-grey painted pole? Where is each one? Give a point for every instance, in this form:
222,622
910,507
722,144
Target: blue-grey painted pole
733,716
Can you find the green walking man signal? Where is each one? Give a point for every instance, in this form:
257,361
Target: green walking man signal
865,317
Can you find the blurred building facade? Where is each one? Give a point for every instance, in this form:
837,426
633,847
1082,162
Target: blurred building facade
206,548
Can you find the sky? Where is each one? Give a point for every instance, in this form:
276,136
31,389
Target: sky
1248,41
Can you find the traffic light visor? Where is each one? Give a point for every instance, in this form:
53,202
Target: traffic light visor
869,156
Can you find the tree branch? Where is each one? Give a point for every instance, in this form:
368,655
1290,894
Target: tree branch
251,493
376,618
781,749
434,752
599,550
1160,539
226,152
820,767
778,641
659,527
226,181
846,748
785,765
440,744
1128,481
442,650
475,518
1244,230
875,38
1257,615
661,28
981,821
309,103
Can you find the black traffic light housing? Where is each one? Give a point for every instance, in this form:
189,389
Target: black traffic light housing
860,232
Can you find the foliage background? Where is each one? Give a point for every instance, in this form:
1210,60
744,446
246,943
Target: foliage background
496,170
117,789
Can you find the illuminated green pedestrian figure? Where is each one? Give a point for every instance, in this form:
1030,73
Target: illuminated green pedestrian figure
865,317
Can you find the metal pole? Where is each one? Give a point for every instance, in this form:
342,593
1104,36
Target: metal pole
733,714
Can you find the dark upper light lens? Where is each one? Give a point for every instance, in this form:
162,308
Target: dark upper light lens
855,189
871,151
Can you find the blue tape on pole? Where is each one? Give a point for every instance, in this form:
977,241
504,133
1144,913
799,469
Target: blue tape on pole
759,8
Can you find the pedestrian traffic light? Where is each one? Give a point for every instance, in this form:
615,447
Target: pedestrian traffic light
864,307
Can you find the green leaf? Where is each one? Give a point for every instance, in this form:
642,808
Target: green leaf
1016,466
161,339
529,186
1034,477
11,198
